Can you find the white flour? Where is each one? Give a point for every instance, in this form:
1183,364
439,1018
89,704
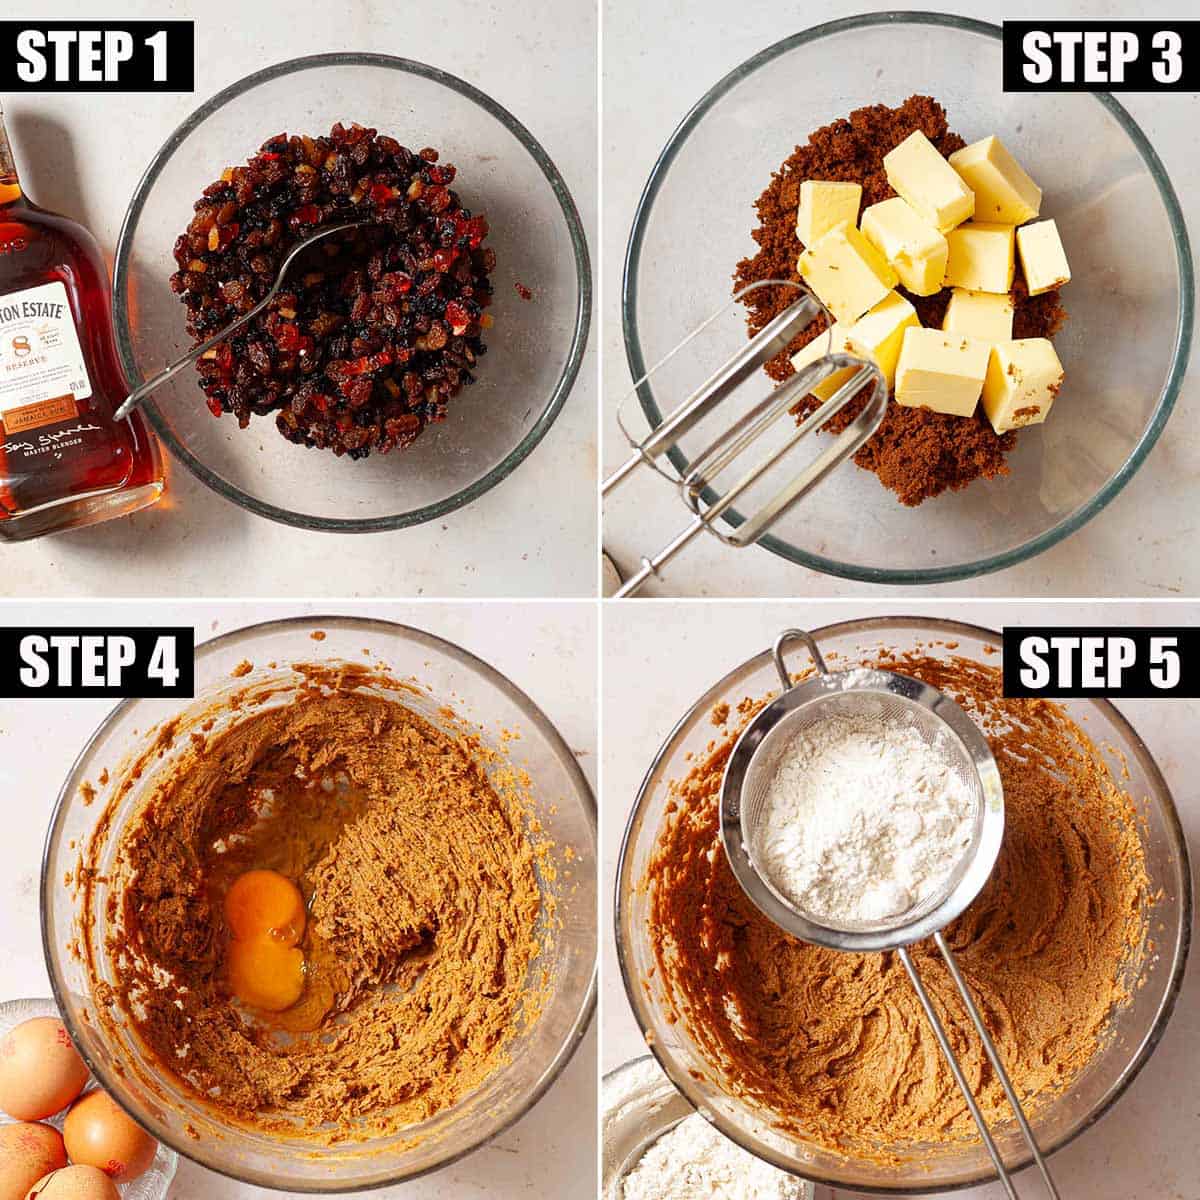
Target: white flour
862,820
695,1162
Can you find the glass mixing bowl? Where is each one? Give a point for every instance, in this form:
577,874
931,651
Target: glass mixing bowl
1130,300
564,804
1136,1029
639,1105
534,348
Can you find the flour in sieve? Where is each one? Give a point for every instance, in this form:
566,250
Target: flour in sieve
862,820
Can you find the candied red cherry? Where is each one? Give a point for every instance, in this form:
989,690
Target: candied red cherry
225,356
458,317
287,337
214,406
443,260
306,214
477,230
381,194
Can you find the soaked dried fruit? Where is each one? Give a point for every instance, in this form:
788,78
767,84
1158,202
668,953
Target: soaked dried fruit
378,329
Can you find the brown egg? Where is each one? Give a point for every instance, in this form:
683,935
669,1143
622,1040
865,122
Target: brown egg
74,1183
27,1152
40,1070
99,1133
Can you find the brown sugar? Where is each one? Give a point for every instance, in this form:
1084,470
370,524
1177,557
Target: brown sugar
915,452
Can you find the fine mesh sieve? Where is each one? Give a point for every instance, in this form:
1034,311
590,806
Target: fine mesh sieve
940,723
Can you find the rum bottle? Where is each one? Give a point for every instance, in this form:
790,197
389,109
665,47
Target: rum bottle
64,462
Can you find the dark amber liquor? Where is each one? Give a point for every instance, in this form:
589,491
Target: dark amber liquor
64,462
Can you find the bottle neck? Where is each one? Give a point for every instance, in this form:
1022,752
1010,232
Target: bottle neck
10,185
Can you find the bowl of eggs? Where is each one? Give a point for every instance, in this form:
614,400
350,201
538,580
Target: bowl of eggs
61,1137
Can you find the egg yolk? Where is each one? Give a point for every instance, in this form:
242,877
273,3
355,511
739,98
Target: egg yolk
265,973
265,913
265,902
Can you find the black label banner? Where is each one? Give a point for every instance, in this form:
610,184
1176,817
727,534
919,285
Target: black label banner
109,662
97,56
1108,56
1117,662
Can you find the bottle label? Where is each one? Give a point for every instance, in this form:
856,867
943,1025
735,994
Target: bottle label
42,372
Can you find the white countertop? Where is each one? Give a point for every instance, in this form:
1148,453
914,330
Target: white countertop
653,672
1142,544
546,649
532,535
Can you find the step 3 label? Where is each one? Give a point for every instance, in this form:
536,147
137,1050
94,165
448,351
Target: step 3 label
1110,56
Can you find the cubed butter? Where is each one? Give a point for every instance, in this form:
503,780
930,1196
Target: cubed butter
1004,193
984,315
830,342
941,371
928,182
880,333
876,336
1023,377
847,273
981,257
824,204
915,250
1043,259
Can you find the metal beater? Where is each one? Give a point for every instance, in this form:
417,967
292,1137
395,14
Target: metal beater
722,448
887,697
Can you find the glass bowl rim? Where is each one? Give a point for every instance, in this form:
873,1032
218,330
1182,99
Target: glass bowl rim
530,711
623,885
558,396
1073,521
617,1074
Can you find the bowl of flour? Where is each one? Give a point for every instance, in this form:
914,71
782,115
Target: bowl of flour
656,1146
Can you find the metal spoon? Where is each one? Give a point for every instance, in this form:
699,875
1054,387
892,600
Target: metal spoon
156,381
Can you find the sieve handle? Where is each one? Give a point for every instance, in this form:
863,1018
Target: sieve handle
956,1070
994,1058
810,644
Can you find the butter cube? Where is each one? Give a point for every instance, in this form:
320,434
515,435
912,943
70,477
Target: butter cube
916,251
823,205
830,342
981,257
880,334
928,182
941,371
1043,259
1023,377
847,273
1003,191
982,315
876,336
